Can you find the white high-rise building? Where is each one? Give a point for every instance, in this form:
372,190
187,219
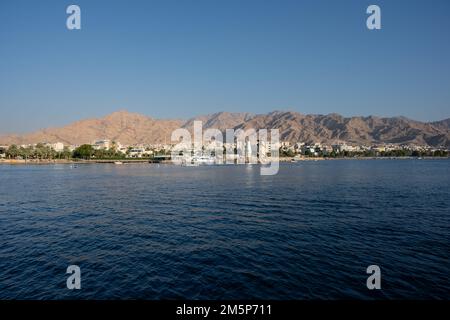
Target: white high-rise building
58,146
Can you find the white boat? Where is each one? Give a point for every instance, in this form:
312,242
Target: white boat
118,162
202,160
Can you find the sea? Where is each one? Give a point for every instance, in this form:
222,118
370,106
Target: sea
154,231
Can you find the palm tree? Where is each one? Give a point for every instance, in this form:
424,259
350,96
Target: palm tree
12,152
114,146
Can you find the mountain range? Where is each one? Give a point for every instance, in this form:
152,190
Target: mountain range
133,128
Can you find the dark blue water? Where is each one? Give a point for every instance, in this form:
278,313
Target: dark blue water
167,232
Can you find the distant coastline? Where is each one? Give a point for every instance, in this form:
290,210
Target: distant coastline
149,161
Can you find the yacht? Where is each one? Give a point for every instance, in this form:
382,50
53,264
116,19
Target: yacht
202,160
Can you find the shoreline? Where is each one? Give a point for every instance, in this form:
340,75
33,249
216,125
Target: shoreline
58,161
148,161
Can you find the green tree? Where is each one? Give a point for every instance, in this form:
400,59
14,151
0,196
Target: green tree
308,152
289,153
26,153
331,154
40,151
84,151
113,146
65,154
12,152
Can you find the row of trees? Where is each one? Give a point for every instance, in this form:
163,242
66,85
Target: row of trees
41,151
367,153
86,151
391,153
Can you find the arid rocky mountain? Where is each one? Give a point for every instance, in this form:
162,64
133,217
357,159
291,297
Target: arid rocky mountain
122,126
133,128
333,128
220,120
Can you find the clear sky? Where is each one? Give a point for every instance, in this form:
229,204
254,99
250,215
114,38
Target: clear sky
178,59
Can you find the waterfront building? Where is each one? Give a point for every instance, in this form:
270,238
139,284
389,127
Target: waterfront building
58,146
338,148
102,144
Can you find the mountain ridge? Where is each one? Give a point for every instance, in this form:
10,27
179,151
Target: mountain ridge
134,128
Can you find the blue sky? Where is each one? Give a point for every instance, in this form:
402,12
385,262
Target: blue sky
178,59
